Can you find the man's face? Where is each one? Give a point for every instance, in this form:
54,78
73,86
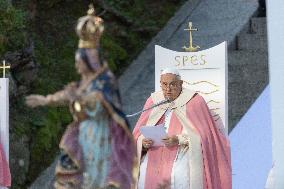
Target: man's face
171,86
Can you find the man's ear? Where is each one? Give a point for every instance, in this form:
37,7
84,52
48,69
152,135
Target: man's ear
181,82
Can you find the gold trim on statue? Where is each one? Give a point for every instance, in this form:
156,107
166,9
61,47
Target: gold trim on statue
87,44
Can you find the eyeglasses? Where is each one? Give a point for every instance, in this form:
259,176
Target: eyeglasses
172,85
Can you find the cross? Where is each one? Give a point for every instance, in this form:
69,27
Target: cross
4,67
91,10
191,48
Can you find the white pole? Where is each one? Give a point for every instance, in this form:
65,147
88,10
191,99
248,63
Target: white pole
275,23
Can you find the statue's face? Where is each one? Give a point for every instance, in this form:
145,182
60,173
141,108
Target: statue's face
99,22
171,86
80,65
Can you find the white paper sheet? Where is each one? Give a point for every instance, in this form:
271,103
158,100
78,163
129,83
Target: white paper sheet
156,133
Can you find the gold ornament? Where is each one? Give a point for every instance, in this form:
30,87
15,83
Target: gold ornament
77,106
4,67
190,48
89,29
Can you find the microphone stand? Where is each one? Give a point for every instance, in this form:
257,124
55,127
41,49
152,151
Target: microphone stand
153,106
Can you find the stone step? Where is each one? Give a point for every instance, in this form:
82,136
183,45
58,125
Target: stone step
47,178
244,57
258,25
241,96
248,76
252,42
246,29
245,90
248,72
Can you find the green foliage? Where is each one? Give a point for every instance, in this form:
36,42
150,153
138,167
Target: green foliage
114,53
12,27
48,128
145,13
50,3
54,52
47,131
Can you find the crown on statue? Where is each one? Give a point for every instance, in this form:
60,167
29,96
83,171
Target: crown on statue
89,29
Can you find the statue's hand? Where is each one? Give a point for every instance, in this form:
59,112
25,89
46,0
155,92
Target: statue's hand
36,100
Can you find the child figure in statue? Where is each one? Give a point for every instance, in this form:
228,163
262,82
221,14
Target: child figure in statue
97,149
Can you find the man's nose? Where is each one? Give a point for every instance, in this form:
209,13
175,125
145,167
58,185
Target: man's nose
168,89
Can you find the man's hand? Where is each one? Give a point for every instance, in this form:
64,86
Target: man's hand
170,141
147,143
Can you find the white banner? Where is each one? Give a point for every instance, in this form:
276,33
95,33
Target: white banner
203,71
4,115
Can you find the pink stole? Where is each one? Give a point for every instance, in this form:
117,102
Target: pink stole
161,159
215,147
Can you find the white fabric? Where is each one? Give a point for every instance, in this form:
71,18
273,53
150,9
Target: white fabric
180,176
142,176
168,116
4,117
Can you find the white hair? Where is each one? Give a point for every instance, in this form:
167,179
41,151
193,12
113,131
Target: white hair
171,71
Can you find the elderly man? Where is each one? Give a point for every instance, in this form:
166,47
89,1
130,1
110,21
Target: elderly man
195,155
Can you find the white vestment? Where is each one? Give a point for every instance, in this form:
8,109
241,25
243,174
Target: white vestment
179,175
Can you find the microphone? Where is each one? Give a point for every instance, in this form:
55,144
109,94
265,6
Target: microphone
153,106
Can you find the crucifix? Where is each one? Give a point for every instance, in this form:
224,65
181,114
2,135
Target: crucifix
4,67
191,48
